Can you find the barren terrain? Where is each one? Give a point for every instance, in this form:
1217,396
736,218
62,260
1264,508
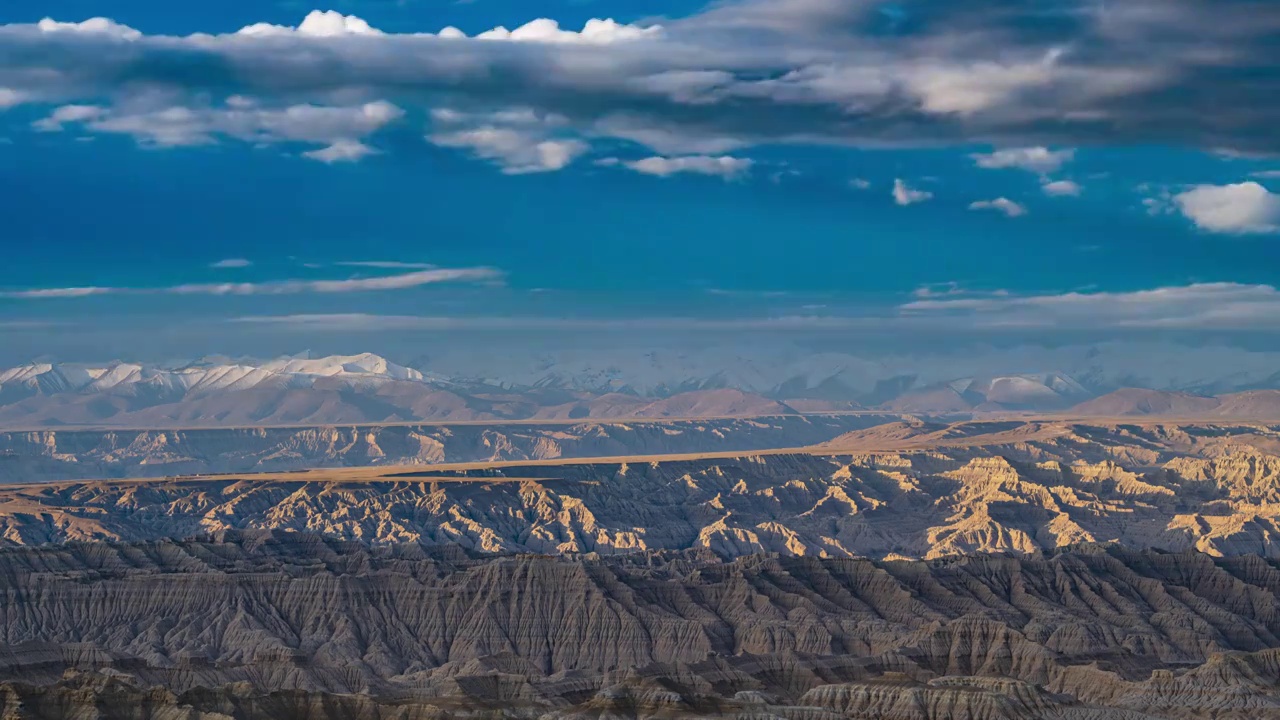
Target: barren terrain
898,570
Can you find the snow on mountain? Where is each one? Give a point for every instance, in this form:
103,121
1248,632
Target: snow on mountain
200,377
786,370
483,383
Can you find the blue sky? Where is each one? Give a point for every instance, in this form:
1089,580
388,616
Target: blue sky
902,168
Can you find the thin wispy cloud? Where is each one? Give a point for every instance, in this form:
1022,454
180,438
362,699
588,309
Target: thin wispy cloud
1211,306
231,264
27,324
385,265
1215,306
350,322
1002,205
276,287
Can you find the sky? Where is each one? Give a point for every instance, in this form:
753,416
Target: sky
264,177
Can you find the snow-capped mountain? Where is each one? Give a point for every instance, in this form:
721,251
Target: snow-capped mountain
471,384
788,371
201,376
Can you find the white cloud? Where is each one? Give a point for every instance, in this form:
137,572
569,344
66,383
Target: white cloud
341,151
93,26
338,128
520,140
11,98
317,24
975,87
1236,209
68,114
183,126
724,166
1266,174
905,195
595,32
277,287
1001,204
333,24
664,138
860,184
71,292
1040,160
1218,306
517,151
1061,188
231,264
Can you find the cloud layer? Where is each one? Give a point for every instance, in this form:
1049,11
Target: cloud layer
1197,307
1019,74
1205,306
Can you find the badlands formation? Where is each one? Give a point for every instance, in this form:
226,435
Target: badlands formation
906,570
900,490
39,455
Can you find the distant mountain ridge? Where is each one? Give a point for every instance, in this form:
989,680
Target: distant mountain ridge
1135,402
219,391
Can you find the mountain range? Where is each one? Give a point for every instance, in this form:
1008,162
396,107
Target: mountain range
454,386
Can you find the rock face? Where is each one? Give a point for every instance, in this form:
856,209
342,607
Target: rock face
81,454
289,625
975,487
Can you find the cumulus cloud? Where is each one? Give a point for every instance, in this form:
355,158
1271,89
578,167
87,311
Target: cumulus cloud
724,166
333,24
337,128
341,151
742,71
519,140
317,24
231,264
905,195
595,32
517,152
276,287
1234,209
1040,160
1061,188
1217,306
99,26
1000,204
60,117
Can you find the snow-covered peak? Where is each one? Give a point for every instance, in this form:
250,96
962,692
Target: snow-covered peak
365,364
208,375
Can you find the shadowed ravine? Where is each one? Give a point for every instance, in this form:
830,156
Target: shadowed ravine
291,625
